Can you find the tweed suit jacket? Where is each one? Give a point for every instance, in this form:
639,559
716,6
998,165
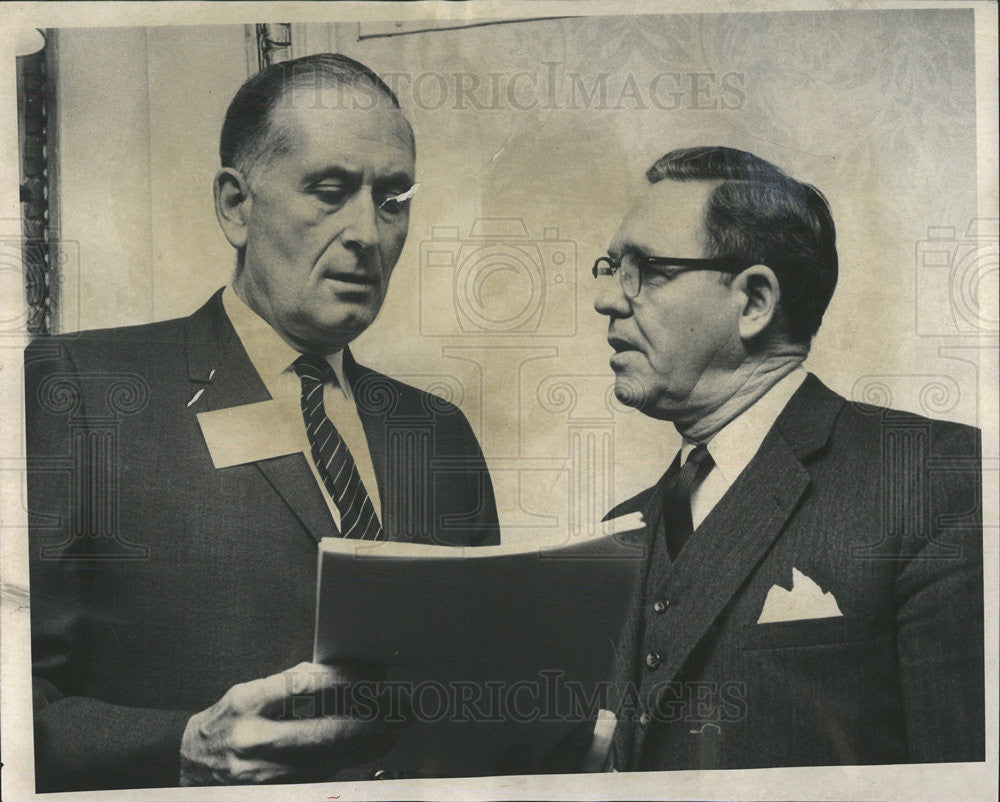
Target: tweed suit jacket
880,508
157,580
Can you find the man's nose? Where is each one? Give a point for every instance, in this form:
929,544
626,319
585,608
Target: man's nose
360,222
611,300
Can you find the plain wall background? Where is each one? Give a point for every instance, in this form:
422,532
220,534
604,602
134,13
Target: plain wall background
876,108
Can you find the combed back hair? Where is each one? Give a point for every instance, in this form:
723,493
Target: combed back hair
249,137
761,215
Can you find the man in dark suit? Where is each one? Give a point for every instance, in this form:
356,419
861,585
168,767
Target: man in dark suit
813,589
181,473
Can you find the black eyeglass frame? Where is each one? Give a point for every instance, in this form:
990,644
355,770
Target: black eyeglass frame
721,264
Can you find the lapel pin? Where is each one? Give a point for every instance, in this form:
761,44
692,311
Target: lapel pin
197,395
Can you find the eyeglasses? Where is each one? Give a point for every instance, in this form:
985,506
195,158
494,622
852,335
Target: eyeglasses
633,268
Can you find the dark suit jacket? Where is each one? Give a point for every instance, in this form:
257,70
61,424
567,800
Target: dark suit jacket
880,508
157,581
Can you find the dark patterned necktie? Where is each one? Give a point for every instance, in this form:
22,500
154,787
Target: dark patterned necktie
330,453
677,498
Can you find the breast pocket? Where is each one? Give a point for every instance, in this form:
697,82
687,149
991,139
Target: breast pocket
812,632
824,691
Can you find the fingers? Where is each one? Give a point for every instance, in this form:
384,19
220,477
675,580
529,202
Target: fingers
599,754
273,692
301,723
329,740
253,749
587,747
238,771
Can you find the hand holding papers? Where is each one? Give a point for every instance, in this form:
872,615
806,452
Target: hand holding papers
499,649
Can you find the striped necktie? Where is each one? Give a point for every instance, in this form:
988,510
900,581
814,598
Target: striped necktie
677,497
330,453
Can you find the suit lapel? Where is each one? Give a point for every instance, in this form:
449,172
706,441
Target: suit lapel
736,535
295,483
375,397
741,528
723,551
218,365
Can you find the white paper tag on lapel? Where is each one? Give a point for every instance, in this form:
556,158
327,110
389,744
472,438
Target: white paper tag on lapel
251,432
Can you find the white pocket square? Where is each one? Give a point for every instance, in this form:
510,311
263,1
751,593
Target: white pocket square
805,600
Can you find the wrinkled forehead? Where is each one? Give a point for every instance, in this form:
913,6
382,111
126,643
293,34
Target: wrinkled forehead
355,118
667,220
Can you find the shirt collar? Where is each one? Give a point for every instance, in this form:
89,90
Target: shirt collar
270,355
733,446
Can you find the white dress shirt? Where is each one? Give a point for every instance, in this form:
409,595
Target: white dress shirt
272,357
735,444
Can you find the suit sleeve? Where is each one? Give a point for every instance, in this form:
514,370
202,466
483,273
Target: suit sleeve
81,742
939,612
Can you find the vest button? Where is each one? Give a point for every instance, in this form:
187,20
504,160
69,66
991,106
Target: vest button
644,719
653,660
660,605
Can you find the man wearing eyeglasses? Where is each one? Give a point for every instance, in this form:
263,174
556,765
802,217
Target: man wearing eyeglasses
813,588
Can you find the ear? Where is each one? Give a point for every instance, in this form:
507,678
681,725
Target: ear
760,297
233,201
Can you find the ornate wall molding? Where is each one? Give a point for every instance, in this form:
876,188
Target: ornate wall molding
35,103
267,44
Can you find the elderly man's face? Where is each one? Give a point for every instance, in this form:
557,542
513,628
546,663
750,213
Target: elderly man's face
678,340
322,233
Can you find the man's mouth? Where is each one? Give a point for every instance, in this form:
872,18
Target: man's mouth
620,345
360,280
